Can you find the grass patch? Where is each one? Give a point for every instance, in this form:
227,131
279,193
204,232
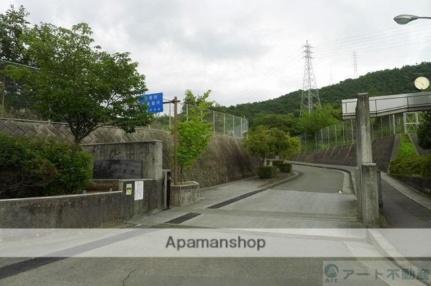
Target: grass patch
407,149
408,162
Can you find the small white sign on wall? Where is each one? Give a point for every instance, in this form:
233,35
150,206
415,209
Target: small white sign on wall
139,190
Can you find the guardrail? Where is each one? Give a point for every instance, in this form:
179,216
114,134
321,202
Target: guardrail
390,104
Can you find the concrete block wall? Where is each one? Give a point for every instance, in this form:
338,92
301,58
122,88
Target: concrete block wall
346,155
225,160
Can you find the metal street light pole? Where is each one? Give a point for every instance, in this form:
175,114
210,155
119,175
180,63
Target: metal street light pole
405,19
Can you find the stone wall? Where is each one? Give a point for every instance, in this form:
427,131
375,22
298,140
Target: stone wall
225,159
346,155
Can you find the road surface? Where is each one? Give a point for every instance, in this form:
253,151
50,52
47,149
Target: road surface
316,198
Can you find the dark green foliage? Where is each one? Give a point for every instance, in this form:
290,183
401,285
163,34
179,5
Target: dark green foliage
268,143
312,122
13,23
23,171
285,122
385,82
282,166
285,167
74,166
267,172
424,131
37,168
411,166
408,162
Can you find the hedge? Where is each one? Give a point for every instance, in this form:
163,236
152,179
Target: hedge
267,172
34,167
411,166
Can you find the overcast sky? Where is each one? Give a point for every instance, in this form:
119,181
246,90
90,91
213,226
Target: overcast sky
246,50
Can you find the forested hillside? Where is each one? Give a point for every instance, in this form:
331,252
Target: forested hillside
385,82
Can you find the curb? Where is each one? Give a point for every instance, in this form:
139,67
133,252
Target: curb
295,175
334,167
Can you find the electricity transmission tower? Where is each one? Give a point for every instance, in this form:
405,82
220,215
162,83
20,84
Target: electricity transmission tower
310,94
355,65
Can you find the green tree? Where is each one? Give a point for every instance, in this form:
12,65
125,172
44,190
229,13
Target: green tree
312,122
13,24
80,84
424,131
269,143
194,133
285,122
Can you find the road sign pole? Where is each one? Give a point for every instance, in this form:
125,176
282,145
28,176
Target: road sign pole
175,137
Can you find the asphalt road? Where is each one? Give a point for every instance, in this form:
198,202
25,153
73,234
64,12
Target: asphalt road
402,212
318,187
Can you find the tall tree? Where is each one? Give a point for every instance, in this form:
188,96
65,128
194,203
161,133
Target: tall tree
80,84
13,24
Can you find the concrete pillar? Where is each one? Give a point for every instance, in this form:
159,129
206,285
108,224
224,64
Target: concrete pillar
405,122
367,196
364,126
369,193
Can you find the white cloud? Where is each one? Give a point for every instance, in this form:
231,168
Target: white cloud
246,50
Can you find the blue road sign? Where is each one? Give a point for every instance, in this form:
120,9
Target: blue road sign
154,102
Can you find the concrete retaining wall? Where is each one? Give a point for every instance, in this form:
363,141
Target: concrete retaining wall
79,211
346,155
74,211
224,161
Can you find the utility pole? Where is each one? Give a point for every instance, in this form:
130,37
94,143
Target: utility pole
310,94
175,101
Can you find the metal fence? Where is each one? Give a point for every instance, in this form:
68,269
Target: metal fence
221,123
344,132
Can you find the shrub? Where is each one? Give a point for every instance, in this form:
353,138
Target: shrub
411,166
30,167
22,169
424,131
267,172
74,166
285,167
282,166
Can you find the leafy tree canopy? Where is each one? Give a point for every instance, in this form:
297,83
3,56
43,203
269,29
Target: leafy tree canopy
285,122
312,122
194,133
78,83
269,143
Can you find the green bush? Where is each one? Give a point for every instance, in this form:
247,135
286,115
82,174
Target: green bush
30,167
411,166
424,131
408,162
285,167
74,167
267,172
